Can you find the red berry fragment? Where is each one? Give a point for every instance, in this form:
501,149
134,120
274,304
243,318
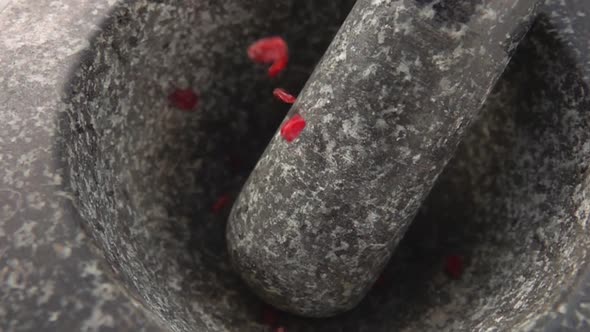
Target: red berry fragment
277,67
183,99
270,316
454,266
271,50
280,329
220,204
283,96
292,128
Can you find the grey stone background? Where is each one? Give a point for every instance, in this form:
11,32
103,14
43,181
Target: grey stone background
53,278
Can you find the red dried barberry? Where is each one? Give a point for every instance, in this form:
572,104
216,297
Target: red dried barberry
270,50
220,204
277,67
292,128
454,266
184,99
283,96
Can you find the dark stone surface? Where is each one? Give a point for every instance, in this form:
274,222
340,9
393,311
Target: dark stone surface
318,219
525,241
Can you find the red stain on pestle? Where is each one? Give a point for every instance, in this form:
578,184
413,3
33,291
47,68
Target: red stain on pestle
292,128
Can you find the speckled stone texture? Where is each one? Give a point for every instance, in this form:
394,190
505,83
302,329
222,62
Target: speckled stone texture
146,175
319,218
51,278
525,241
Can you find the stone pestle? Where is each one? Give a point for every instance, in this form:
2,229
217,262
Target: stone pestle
385,108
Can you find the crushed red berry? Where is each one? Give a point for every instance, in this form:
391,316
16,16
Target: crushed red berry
270,50
220,204
292,128
454,266
277,67
284,96
270,316
184,99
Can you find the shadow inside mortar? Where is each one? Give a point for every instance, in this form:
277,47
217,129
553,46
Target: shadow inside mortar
146,176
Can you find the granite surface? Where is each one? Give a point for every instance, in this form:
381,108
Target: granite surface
150,216
50,277
318,219
146,175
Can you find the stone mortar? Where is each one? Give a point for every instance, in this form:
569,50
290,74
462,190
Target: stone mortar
513,200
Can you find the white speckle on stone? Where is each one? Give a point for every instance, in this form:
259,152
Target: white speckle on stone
381,124
12,202
381,36
405,26
380,2
24,236
62,251
35,201
489,13
482,50
427,12
370,70
53,316
98,320
456,34
442,61
444,85
352,128
328,118
372,218
46,292
15,280
91,269
418,62
327,89
341,56
403,68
